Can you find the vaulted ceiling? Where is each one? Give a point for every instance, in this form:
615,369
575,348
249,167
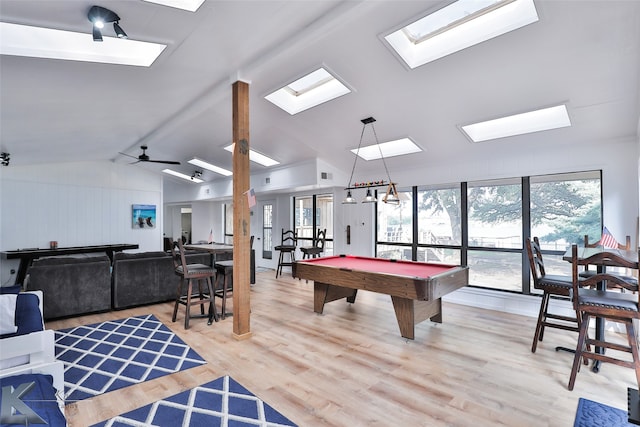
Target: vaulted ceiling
583,53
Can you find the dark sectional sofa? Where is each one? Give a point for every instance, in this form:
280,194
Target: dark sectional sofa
84,284
147,277
71,285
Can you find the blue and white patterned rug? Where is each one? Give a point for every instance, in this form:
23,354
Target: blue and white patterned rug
110,355
222,402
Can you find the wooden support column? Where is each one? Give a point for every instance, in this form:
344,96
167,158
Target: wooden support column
241,231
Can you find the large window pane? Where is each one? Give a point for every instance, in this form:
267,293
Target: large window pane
439,255
324,205
439,218
495,270
393,252
395,222
304,217
565,207
495,214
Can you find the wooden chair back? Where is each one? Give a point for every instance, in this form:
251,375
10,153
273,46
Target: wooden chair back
320,239
289,238
612,280
536,263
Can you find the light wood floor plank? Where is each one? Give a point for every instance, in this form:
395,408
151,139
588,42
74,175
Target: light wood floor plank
350,366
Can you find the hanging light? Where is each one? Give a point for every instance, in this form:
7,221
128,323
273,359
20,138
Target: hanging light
391,196
369,197
349,200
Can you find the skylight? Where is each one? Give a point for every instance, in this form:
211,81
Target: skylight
209,166
254,156
458,26
519,124
36,42
313,89
183,176
190,5
389,149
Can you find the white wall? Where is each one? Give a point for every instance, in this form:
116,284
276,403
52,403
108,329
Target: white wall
76,204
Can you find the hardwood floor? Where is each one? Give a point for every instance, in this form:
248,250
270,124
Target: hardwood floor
350,366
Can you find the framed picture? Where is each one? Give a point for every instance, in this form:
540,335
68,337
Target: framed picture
144,216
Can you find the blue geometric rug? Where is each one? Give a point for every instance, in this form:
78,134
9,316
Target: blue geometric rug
594,414
110,355
222,402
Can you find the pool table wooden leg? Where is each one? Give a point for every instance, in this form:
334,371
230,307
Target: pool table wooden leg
324,293
410,312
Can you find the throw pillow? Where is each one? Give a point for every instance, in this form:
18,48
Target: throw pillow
8,313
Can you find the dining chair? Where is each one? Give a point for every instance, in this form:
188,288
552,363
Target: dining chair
317,246
288,243
191,273
609,305
550,285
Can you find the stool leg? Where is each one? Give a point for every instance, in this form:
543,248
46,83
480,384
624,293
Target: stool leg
213,313
188,305
175,307
279,268
201,296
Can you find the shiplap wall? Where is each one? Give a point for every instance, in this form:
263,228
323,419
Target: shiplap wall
76,204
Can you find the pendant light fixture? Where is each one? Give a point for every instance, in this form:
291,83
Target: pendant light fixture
392,193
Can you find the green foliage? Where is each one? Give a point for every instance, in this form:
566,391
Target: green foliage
570,209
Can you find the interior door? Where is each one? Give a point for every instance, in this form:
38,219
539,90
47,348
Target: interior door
262,229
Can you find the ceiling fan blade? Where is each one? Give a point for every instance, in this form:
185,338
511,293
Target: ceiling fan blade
168,162
128,155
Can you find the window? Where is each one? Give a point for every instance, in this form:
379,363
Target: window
228,223
395,227
312,213
439,216
267,230
564,208
483,225
439,224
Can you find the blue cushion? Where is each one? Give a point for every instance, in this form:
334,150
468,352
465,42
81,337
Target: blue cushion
28,316
10,289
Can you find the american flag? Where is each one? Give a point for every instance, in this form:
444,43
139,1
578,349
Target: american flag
251,198
607,240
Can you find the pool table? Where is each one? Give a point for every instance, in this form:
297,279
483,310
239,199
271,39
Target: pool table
416,288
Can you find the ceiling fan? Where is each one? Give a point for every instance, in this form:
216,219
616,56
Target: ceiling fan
145,158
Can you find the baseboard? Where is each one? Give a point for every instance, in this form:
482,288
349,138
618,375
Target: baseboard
525,305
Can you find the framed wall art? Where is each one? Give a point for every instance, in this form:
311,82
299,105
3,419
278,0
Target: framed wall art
143,216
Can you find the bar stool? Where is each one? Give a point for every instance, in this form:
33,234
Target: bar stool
551,285
224,282
288,244
191,273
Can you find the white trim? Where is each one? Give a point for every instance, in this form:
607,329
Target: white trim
524,305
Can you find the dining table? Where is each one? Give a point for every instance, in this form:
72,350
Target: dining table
583,254
222,248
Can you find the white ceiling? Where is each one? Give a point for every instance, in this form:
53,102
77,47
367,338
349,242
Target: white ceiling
585,53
